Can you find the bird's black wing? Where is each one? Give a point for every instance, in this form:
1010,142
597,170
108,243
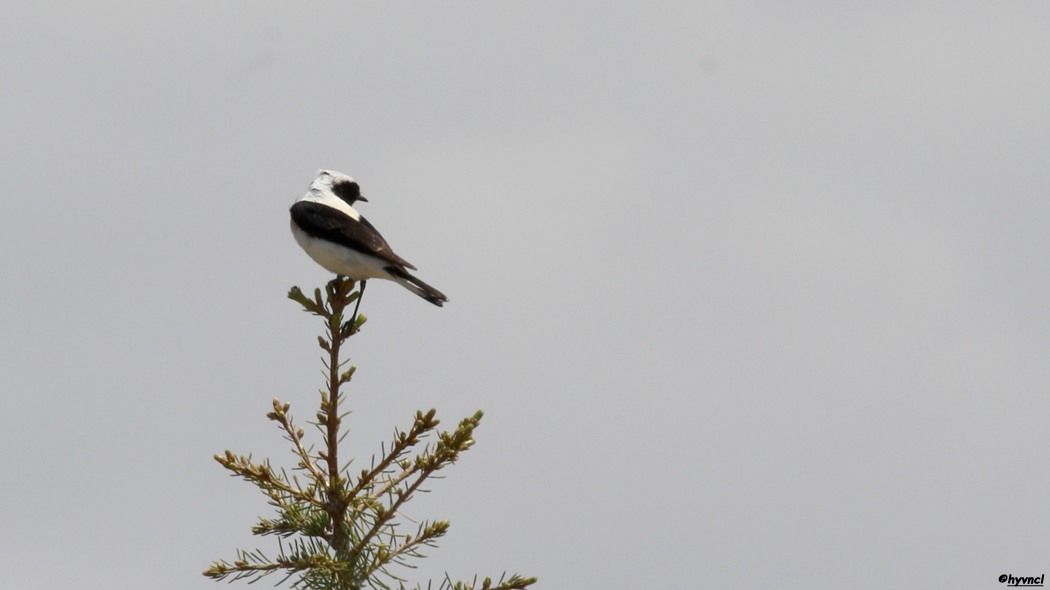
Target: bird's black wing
328,223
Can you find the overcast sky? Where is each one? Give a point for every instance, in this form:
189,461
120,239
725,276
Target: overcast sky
752,293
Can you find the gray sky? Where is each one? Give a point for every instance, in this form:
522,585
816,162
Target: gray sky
751,293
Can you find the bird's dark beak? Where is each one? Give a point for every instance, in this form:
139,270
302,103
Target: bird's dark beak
360,198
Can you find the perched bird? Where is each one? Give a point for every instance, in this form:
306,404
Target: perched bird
338,238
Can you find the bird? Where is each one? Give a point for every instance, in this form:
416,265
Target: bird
326,225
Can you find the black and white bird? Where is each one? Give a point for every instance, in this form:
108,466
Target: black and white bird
338,238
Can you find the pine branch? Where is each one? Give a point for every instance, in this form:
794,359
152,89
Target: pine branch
426,536
280,414
334,536
255,564
445,452
263,476
402,443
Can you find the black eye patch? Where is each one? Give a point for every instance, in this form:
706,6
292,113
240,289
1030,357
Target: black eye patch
347,191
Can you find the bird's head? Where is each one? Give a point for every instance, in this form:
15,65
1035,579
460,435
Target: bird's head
341,186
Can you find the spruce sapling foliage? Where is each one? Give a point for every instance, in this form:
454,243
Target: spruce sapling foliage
337,530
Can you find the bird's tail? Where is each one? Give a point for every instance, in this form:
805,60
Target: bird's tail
417,286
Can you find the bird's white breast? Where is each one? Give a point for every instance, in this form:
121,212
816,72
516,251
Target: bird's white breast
340,259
